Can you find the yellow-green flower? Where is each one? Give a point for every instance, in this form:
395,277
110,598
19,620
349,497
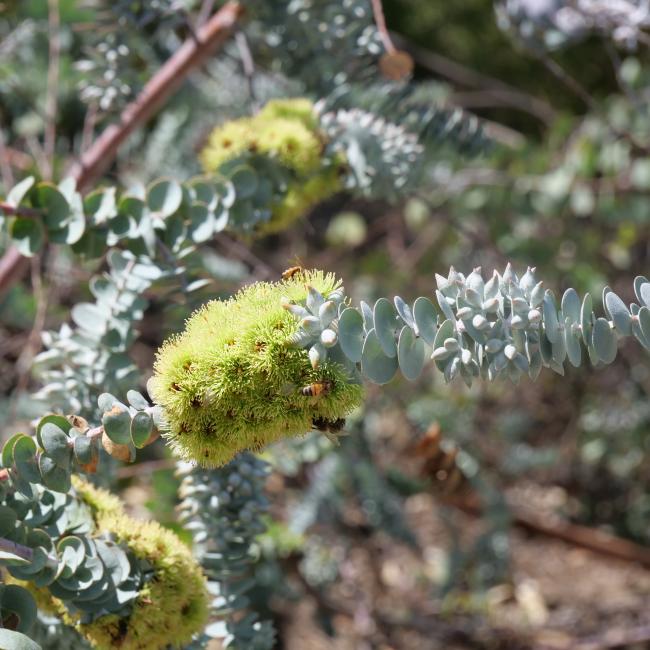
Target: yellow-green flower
295,108
226,142
287,131
234,379
170,608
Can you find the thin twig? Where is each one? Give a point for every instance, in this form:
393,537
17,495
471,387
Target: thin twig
5,166
262,269
34,340
248,65
17,158
192,54
469,78
554,526
612,638
38,154
204,12
380,22
147,467
51,99
630,93
21,211
570,82
574,85
89,127
99,157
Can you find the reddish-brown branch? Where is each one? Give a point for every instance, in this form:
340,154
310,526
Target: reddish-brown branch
380,22
100,156
6,208
552,526
192,54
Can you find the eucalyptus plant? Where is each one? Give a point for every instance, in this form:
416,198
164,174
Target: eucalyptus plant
241,375
276,360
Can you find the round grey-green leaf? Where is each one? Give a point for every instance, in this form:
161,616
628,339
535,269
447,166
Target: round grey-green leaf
8,450
644,294
106,401
84,450
619,313
90,316
205,192
551,324
18,192
384,318
25,459
444,306
586,318
132,207
117,424
141,428
136,400
57,444
164,197
404,311
571,305
366,313
7,558
643,326
18,600
75,227
54,477
55,206
604,340
73,552
572,341
445,332
7,521
202,223
57,420
245,181
559,349
16,641
426,319
375,365
351,334
411,354
28,235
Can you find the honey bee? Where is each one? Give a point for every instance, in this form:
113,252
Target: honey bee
331,429
317,389
291,271
330,426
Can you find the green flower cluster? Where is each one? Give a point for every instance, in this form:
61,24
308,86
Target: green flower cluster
286,131
172,605
237,379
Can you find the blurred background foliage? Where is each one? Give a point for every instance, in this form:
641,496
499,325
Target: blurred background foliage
360,542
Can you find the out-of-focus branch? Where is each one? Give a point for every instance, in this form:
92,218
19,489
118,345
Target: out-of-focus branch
5,166
33,343
51,99
168,79
554,526
380,22
5,208
101,154
463,76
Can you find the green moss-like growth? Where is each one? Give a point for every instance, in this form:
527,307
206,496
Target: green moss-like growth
170,608
233,380
287,131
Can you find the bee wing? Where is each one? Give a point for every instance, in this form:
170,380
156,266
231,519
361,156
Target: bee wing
288,388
